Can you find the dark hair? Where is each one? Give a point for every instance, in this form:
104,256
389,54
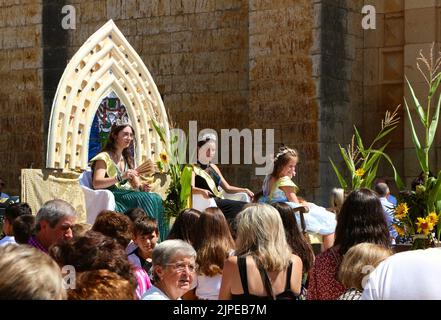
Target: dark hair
282,158
111,141
184,225
14,210
144,226
294,236
23,228
213,241
381,189
135,213
114,225
93,251
361,219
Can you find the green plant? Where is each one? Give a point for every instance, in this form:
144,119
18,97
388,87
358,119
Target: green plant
180,175
361,162
424,203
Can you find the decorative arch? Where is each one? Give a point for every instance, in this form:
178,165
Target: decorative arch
105,63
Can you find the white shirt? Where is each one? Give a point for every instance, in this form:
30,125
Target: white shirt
7,240
208,287
154,293
410,275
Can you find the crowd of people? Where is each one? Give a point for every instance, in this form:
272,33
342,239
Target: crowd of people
235,251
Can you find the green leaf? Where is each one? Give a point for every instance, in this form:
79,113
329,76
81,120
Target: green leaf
359,142
348,160
383,134
375,157
416,142
342,181
434,193
371,176
185,181
159,131
434,86
397,177
418,106
434,123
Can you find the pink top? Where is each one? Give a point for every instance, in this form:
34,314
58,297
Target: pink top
143,280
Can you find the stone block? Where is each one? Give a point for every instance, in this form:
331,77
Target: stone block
225,39
33,13
205,6
415,18
157,44
371,69
391,65
115,9
411,52
181,41
231,4
393,5
154,8
354,24
418,4
32,58
374,38
178,7
148,26
393,30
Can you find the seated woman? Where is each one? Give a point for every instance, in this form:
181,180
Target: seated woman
113,170
278,187
208,179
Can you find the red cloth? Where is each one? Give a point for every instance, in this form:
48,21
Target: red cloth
323,283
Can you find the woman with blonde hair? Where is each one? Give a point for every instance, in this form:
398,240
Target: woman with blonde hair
358,262
263,266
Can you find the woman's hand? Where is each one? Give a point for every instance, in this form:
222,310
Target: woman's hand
130,174
206,194
249,192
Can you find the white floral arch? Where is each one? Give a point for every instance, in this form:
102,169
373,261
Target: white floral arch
105,63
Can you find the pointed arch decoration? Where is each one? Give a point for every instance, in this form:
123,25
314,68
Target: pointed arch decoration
105,63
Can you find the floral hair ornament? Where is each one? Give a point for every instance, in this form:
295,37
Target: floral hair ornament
123,122
207,137
284,150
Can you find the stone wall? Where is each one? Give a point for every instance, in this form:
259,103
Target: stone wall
282,91
338,71
21,84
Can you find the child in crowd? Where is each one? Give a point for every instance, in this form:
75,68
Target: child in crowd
357,263
23,228
145,236
278,187
12,212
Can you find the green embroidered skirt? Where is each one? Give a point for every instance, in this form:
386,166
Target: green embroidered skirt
150,202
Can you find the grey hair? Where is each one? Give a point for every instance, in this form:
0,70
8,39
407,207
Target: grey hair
54,210
168,249
382,189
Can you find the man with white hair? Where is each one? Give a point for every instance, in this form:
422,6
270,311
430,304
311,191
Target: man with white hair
54,222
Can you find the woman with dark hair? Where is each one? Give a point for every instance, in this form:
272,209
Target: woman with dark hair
209,181
184,226
361,219
113,169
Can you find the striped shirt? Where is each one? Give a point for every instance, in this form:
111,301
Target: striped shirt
33,242
143,280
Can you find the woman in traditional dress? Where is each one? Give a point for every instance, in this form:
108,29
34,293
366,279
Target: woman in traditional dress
113,169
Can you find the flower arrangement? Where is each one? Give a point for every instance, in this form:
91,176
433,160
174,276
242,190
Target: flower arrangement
361,162
180,175
418,211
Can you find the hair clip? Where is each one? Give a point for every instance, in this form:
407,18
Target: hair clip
207,136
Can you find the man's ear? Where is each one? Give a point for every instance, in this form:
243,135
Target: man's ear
158,271
44,225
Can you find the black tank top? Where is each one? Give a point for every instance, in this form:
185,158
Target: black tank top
287,294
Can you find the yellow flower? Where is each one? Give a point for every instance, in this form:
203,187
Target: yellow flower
399,230
432,217
424,226
164,157
401,211
359,172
